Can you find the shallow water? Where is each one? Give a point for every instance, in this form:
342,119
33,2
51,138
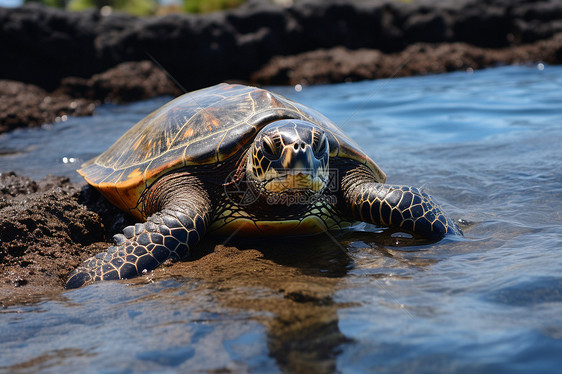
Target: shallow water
486,145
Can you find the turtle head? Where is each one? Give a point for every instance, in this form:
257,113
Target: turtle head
289,156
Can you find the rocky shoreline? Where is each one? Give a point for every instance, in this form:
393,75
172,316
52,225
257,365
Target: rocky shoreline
60,63
343,65
63,63
48,227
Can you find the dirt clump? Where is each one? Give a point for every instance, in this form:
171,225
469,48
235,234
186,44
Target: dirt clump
47,228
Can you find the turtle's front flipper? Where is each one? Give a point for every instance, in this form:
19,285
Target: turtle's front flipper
169,233
401,207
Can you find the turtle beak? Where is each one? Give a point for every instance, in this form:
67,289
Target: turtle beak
298,169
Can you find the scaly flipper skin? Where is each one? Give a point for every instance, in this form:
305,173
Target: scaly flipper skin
402,207
180,221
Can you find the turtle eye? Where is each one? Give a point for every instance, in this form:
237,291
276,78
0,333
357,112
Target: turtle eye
319,144
269,149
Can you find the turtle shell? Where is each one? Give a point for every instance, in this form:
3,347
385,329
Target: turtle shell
200,128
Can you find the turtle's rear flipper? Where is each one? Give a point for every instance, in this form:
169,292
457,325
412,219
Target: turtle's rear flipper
144,246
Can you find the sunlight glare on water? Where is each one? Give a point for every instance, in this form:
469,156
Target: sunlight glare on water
486,145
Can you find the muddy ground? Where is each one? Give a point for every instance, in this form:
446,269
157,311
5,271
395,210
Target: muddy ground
48,227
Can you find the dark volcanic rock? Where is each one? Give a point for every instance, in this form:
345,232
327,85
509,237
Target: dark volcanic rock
126,82
68,61
42,45
341,64
47,228
25,105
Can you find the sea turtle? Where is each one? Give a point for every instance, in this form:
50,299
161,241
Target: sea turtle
238,159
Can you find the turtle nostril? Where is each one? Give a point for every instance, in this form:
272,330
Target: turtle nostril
298,145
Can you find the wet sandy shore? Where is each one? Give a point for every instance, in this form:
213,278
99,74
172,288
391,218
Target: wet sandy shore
48,227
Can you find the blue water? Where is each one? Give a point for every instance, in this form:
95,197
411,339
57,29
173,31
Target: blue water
486,145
